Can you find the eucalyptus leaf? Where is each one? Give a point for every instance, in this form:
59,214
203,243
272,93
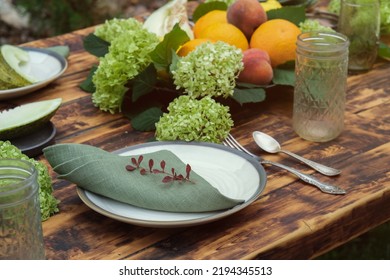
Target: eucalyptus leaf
294,14
284,77
162,54
249,95
95,45
204,8
146,120
144,82
87,85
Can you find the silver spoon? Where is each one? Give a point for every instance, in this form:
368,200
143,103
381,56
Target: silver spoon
270,145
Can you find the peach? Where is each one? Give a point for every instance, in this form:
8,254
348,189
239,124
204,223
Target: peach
246,15
258,53
257,68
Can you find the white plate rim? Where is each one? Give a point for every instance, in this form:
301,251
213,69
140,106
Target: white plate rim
20,91
216,215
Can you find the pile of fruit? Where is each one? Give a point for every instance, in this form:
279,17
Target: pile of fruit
168,75
265,43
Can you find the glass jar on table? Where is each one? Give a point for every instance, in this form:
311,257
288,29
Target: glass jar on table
21,235
359,20
320,87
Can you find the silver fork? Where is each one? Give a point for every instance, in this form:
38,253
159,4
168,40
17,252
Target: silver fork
230,141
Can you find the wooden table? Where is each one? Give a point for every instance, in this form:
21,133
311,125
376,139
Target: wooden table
290,220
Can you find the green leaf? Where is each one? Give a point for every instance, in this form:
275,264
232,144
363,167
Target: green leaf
175,60
61,50
204,8
384,50
162,54
284,77
249,95
293,14
88,85
146,120
144,82
95,45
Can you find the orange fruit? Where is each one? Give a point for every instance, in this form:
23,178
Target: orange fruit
191,45
208,19
227,33
278,38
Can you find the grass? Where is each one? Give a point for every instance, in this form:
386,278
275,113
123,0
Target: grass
373,245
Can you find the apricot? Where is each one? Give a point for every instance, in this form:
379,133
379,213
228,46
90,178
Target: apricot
246,15
257,68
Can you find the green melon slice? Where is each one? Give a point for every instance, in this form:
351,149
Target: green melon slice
12,60
24,119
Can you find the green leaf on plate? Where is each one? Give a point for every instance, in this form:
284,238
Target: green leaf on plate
144,82
88,85
204,8
95,45
284,77
162,54
146,120
252,94
293,14
384,51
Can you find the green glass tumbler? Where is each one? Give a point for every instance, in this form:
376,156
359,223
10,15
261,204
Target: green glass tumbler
359,20
21,236
321,70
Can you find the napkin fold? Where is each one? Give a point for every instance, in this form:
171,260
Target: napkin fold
104,173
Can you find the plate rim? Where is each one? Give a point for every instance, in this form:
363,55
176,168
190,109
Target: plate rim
36,147
186,222
20,91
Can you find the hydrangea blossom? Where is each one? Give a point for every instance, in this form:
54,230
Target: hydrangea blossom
129,54
313,25
209,70
115,27
228,2
190,119
48,203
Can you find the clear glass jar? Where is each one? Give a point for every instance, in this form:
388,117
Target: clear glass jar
359,20
321,78
21,235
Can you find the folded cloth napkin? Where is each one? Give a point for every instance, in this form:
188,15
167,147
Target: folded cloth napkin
104,173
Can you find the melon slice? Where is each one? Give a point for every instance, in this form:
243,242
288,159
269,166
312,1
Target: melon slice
24,119
12,60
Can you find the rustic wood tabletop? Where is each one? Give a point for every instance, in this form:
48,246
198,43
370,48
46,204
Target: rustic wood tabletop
290,220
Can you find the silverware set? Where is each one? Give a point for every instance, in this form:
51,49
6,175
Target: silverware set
230,141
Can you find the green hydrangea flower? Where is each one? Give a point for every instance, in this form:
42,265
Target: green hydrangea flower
48,203
115,27
209,70
313,25
129,54
228,2
192,119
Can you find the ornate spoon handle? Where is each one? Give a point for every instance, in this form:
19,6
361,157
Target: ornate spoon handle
326,188
326,170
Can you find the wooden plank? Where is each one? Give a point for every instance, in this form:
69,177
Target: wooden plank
290,220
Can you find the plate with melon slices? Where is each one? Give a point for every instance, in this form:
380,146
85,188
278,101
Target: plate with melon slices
24,70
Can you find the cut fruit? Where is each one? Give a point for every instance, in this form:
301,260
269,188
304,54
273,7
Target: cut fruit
26,118
12,60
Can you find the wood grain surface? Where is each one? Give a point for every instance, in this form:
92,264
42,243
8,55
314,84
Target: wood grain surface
290,220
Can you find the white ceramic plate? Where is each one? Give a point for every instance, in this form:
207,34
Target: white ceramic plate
233,173
44,65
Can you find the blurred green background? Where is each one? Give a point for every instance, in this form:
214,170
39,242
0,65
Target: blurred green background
46,18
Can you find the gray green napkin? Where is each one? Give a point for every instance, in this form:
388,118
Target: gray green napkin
104,173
